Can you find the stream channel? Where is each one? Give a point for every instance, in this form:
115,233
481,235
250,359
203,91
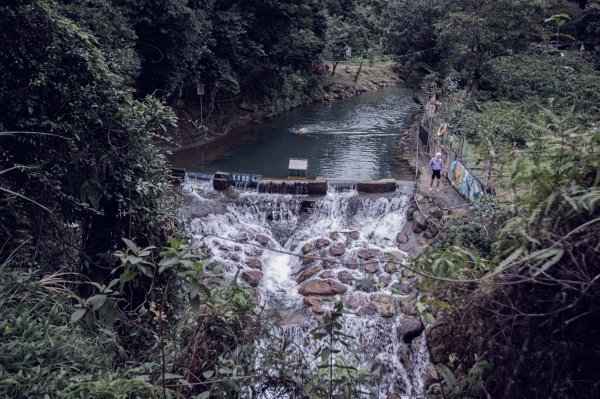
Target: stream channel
301,253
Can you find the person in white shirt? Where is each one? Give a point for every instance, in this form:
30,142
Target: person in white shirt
436,166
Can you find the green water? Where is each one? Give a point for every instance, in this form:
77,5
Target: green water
352,139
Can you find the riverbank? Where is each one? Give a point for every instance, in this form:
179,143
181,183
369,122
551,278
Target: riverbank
233,116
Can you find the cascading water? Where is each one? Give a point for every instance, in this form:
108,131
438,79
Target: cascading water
280,243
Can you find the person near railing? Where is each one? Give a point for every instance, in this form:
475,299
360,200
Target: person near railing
436,166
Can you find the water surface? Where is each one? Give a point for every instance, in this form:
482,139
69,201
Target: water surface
352,139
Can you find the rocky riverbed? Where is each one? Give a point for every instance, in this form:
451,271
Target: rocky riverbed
301,255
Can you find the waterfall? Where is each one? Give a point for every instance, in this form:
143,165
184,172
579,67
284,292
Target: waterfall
280,235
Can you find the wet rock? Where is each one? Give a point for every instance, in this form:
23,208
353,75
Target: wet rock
409,309
262,240
322,243
404,247
330,263
352,264
355,235
391,268
335,236
385,304
372,266
306,248
410,212
294,319
385,279
431,232
367,254
234,257
241,238
436,213
404,288
326,274
354,300
312,300
308,260
394,396
430,376
252,277
420,223
410,328
254,264
338,249
318,309
401,238
322,288
345,277
308,273
367,310
366,285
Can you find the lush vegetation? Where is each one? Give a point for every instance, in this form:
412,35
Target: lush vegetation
87,254
514,286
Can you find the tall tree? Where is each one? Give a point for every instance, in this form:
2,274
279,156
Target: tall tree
471,32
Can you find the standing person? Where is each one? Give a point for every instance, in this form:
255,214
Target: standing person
436,166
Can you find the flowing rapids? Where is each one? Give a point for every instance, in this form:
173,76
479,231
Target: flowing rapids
246,231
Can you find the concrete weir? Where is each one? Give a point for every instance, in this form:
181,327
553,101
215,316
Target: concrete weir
318,186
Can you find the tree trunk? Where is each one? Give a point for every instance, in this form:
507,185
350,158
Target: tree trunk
358,73
335,64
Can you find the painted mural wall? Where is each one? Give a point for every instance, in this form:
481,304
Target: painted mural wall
465,183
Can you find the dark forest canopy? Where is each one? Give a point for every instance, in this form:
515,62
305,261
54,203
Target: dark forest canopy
88,90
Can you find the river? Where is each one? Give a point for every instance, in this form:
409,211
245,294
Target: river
287,247
352,139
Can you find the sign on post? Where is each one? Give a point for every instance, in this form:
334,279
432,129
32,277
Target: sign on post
200,89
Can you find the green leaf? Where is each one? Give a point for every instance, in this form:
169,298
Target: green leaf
97,301
130,244
78,314
208,374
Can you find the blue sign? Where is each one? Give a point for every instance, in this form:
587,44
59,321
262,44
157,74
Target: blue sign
243,178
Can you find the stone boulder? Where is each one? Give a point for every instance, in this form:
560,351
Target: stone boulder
354,235
252,277
262,240
367,285
308,273
367,310
335,236
326,274
312,300
308,260
401,238
322,288
338,249
345,277
436,213
391,268
306,248
372,266
431,232
420,222
322,243
354,300
352,264
385,304
385,279
367,254
330,263
254,263
410,328
318,309
430,376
